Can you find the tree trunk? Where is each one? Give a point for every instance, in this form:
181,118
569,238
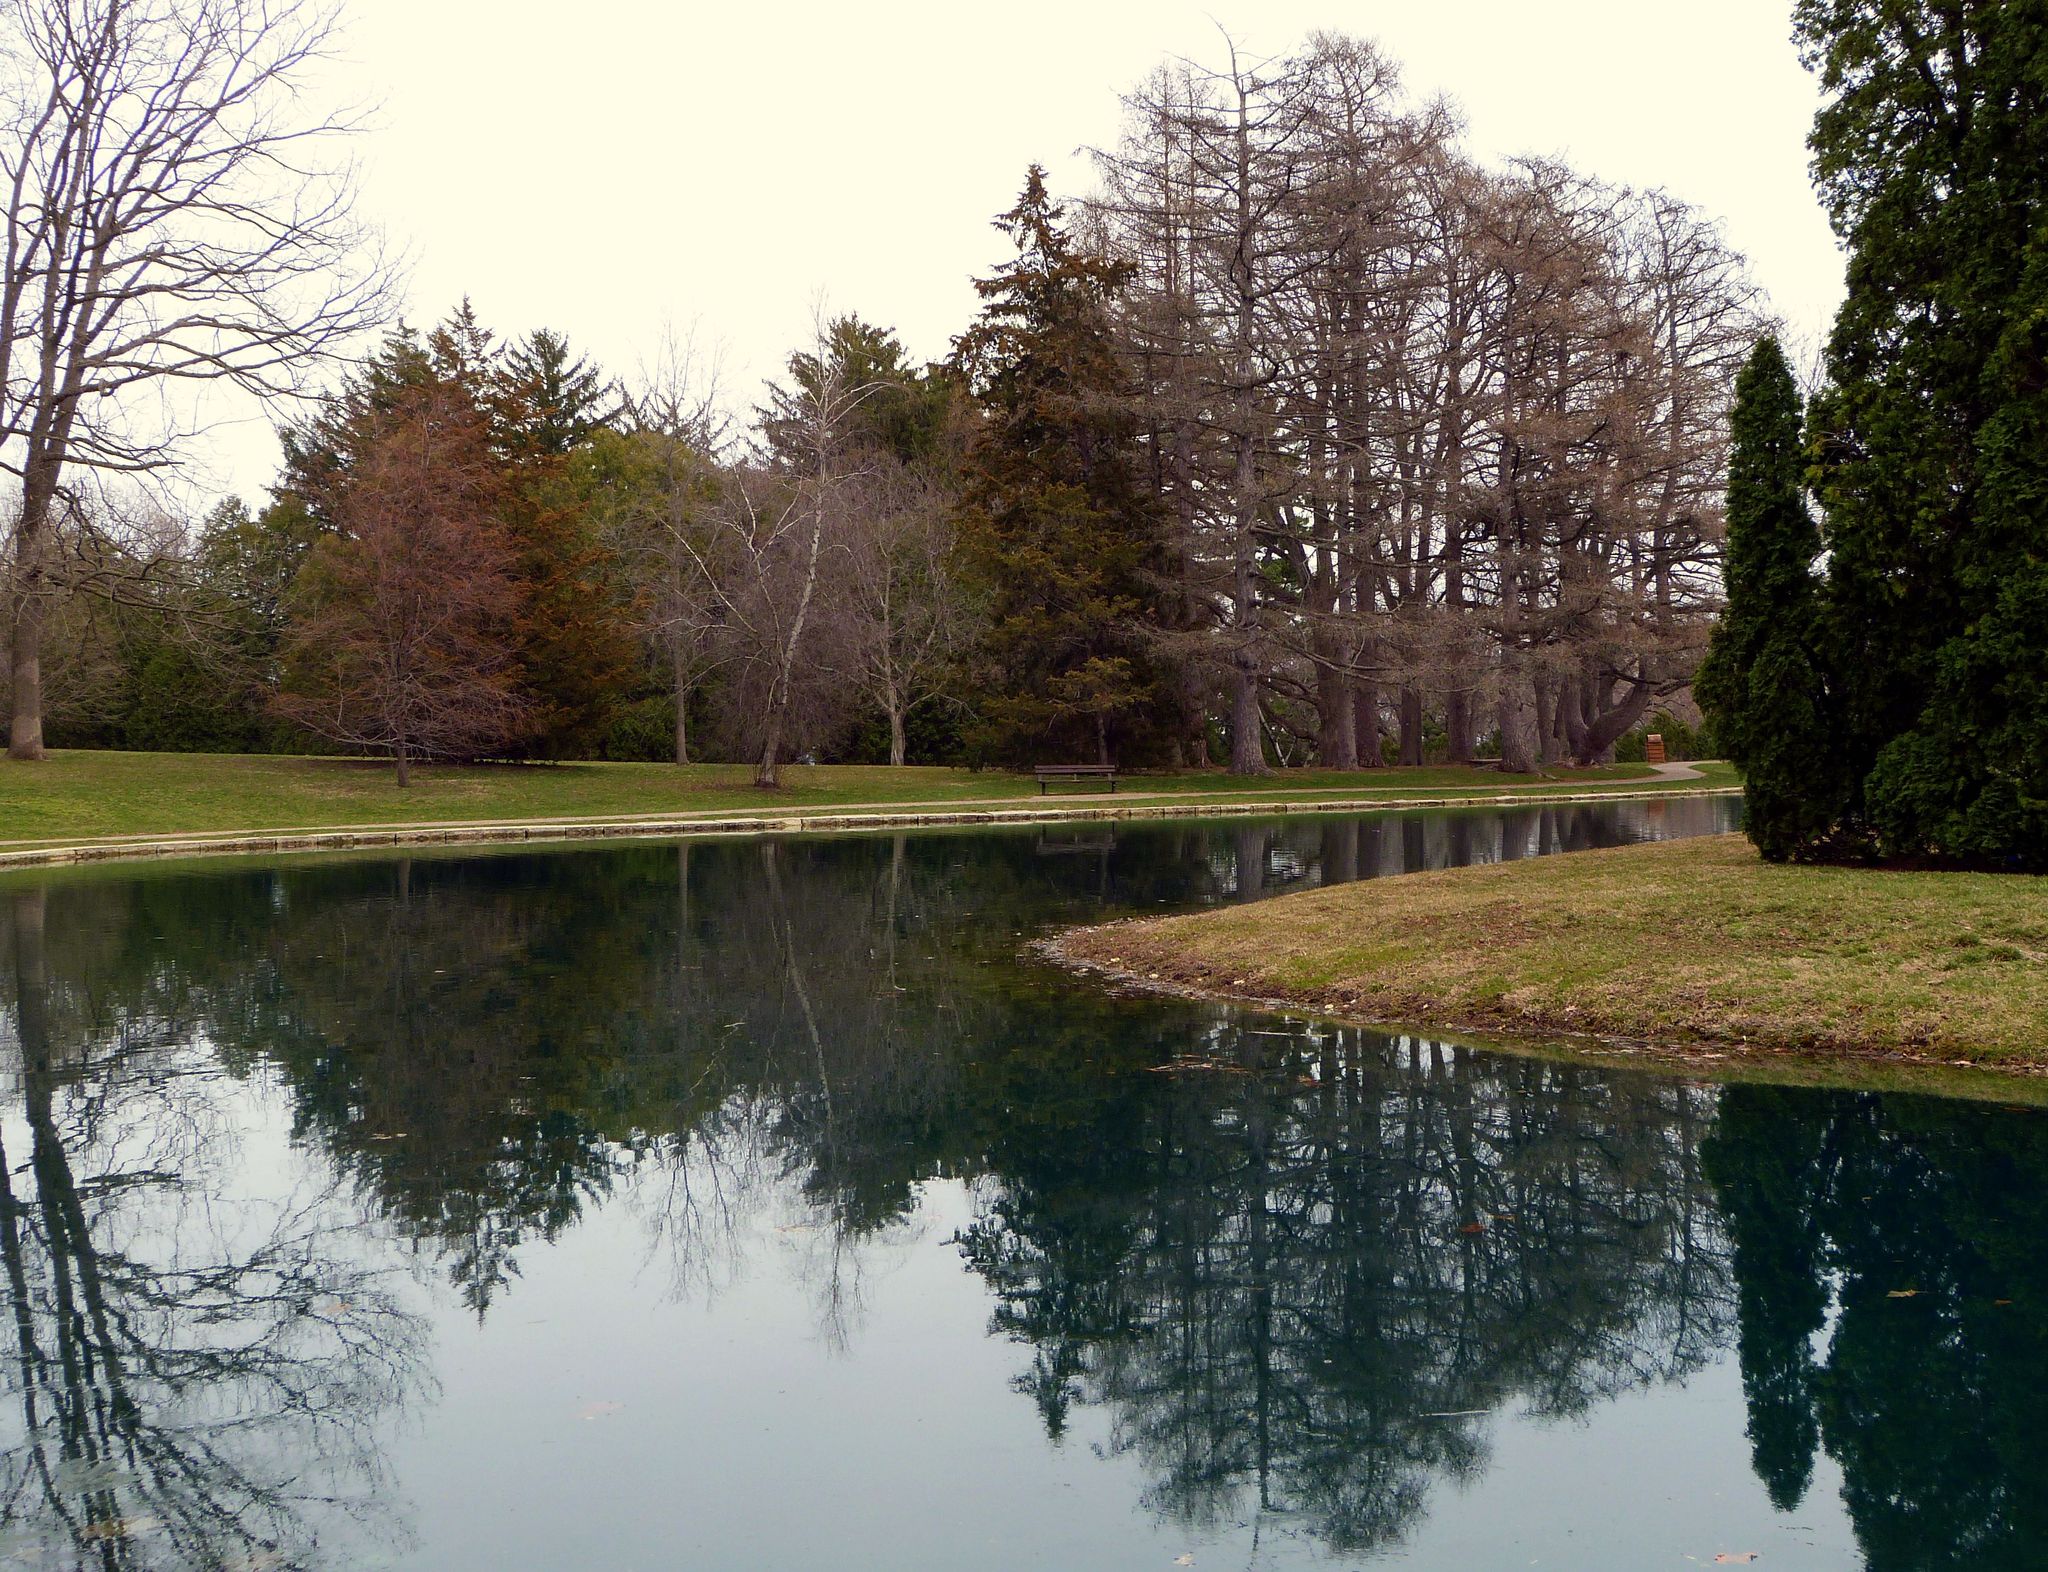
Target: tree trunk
768,774
25,720
679,684
1365,725
402,756
768,768
1337,745
25,724
1458,723
1517,728
899,743
1602,734
1411,726
1247,730
1546,720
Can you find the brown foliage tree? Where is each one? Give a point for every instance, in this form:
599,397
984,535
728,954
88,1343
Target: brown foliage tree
405,638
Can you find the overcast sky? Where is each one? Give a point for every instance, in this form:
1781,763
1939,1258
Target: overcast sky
611,167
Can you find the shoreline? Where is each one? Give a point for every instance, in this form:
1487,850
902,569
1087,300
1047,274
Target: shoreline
1705,1057
543,831
1691,955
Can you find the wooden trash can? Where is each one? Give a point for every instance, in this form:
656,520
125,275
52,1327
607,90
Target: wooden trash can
1653,748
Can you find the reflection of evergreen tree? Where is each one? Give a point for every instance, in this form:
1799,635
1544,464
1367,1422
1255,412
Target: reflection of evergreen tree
1767,1162
1921,1222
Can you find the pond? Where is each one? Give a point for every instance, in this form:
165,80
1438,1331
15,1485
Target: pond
758,1204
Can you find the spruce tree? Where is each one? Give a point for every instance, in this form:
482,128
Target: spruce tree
1066,542
1760,685
1932,154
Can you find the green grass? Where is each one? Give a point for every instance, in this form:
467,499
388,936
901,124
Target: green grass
84,795
1689,945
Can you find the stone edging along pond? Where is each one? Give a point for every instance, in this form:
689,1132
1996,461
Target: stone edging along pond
822,822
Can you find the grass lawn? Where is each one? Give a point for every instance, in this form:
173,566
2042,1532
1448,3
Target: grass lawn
1697,944
81,795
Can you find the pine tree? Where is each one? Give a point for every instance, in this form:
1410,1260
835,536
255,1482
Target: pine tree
1932,154
1063,537
1760,685
576,651
566,399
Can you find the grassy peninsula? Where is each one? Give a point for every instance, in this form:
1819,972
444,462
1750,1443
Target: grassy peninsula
1687,945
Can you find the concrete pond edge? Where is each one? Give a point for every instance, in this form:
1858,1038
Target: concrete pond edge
824,821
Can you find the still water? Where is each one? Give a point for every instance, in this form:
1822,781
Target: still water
755,1205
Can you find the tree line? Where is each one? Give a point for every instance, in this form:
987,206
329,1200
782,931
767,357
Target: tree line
1304,438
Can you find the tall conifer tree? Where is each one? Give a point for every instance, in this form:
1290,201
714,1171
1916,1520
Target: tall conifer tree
1760,684
1932,154
1066,539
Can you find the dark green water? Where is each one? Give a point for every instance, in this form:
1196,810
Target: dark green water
753,1205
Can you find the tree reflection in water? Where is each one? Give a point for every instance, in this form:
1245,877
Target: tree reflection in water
1294,1269
195,1375
1894,1313
1303,1275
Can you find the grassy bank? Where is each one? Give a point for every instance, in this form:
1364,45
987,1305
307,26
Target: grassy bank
84,795
1689,944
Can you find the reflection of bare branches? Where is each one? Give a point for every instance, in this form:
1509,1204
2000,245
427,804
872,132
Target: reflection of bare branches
198,1379
710,1183
1337,1265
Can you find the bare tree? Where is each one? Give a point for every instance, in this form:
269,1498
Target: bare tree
658,488
907,609
172,217
1435,437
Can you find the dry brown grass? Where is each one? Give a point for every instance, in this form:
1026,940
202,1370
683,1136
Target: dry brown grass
1688,943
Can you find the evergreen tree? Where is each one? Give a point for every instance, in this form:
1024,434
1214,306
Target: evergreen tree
576,653
534,406
1759,684
904,414
1064,537
566,399
1932,154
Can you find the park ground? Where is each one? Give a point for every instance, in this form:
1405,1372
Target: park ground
85,797
1694,949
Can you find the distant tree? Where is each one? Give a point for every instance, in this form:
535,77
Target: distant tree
908,610
652,496
573,642
1931,151
1058,529
901,611
576,650
1760,684
405,637
566,400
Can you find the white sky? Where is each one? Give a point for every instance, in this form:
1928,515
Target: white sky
610,168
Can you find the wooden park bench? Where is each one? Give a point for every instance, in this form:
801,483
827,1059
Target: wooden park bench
1049,774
